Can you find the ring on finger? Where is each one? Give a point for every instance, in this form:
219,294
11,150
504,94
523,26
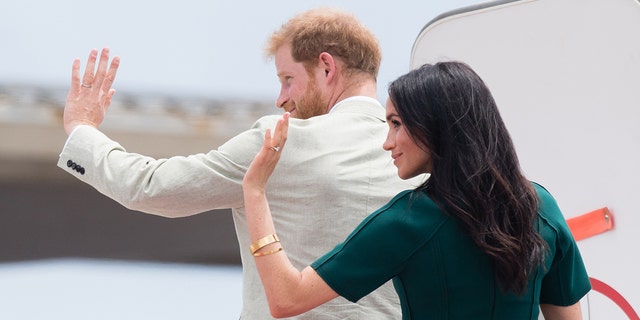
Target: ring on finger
275,148
85,85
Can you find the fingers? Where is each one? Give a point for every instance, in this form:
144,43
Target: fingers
88,77
111,74
280,132
276,140
97,84
90,94
267,139
75,77
101,78
266,160
102,68
108,98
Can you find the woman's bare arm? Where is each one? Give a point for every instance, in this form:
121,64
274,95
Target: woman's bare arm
553,312
289,291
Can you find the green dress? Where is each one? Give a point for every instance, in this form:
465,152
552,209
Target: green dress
437,270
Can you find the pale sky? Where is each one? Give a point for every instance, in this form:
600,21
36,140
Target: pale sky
208,48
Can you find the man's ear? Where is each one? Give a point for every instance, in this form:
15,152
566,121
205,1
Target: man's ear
327,62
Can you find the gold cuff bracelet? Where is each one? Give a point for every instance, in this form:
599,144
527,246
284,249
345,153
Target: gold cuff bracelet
261,243
259,254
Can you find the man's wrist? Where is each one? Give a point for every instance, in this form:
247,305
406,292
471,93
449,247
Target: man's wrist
70,128
73,129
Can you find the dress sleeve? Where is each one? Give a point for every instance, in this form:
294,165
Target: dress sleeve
566,281
377,250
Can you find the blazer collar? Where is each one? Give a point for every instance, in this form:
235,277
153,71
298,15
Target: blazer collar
362,105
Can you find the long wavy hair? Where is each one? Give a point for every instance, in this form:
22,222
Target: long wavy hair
476,176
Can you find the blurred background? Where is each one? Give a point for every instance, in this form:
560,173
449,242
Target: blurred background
192,75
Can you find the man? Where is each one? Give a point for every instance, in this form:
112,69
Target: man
333,174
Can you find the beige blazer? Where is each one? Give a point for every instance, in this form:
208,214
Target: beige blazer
333,172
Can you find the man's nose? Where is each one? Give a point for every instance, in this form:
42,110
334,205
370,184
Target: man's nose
282,100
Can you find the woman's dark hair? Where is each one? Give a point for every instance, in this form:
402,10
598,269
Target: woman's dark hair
476,176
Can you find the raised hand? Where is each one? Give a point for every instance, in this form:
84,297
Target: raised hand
265,161
89,98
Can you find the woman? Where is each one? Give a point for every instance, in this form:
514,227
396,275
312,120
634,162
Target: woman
477,240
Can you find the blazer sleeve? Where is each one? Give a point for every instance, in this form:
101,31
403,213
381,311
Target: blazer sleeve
173,187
